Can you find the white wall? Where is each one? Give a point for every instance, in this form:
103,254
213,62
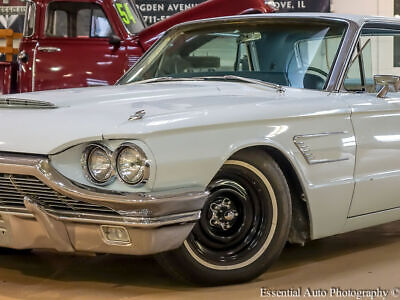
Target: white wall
364,7
382,48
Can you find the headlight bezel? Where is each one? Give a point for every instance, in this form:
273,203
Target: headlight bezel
89,149
146,164
113,154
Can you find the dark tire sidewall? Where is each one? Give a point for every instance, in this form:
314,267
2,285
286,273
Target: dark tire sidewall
183,265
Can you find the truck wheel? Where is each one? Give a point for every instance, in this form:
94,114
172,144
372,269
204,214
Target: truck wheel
243,228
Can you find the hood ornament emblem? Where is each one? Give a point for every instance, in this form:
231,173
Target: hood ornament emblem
137,116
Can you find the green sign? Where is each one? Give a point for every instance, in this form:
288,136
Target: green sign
125,13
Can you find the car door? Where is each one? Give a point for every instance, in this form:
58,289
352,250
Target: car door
75,50
376,122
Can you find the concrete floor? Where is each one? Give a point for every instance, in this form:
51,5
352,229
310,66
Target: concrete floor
364,259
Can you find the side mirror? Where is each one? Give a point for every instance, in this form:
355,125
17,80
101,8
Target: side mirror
384,82
22,57
114,40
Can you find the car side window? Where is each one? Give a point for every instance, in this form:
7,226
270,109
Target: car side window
371,58
77,20
312,61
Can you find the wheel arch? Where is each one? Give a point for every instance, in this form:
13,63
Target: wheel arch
300,230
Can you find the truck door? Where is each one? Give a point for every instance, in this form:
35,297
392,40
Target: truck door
79,48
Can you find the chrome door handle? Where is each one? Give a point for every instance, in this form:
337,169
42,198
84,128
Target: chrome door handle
49,49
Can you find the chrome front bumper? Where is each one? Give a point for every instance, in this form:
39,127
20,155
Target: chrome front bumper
49,211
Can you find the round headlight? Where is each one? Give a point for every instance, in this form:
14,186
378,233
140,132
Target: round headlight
131,164
97,164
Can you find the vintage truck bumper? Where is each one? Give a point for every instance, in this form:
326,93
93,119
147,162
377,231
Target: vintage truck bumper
40,208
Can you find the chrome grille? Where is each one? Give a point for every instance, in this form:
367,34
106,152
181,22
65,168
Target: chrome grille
13,188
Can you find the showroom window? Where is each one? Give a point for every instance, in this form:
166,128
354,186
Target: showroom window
77,20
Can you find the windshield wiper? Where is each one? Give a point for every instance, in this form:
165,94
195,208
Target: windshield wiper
166,79
274,86
271,85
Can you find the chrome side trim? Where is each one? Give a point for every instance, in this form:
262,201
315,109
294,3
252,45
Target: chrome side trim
306,150
320,134
49,49
34,66
138,222
87,218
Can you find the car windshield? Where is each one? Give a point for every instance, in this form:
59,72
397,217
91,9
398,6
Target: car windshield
297,54
129,16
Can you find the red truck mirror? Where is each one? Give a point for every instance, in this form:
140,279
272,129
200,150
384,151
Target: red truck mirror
115,40
23,57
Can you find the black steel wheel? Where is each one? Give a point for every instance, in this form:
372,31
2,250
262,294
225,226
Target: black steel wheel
243,227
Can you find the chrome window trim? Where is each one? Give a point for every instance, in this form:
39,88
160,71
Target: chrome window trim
29,2
339,87
46,19
333,76
344,56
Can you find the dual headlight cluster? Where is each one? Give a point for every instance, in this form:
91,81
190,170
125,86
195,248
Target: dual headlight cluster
128,162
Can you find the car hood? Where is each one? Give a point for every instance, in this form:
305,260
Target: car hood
89,114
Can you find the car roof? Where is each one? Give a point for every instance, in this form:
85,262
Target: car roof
357,19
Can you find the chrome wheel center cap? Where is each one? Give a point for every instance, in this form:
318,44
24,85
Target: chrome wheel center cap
223,214
230,215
